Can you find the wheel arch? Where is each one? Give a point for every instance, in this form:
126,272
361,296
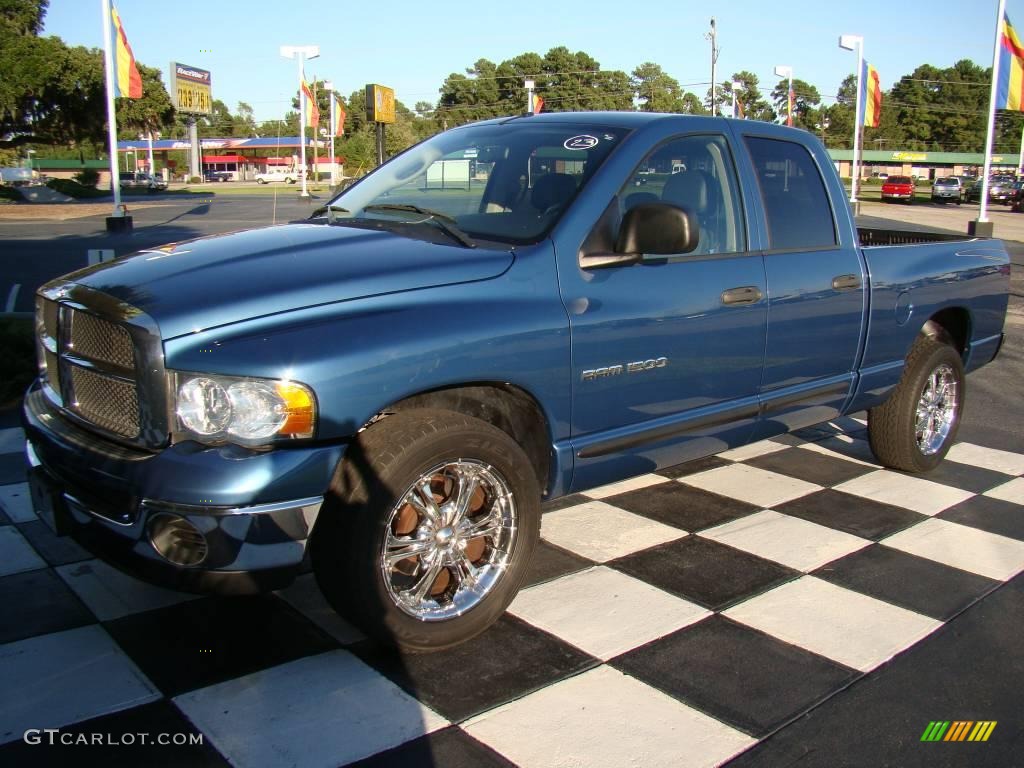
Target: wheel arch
951,325
508,407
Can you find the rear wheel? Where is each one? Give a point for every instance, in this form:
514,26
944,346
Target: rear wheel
428,530
915,428
261,181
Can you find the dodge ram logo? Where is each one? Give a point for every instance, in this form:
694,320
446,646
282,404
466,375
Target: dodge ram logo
638,366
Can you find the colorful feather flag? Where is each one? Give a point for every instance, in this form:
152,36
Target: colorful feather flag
1010,89
870,96
312,110
339,124
789,112
127,81
538,104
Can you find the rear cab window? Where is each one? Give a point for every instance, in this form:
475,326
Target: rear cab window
797,210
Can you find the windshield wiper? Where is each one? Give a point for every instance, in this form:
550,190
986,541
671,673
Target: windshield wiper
328,209
446,223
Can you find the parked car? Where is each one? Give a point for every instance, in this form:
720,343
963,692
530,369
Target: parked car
218,176
1016,201
946,190
1000,190
287,175
18,177
130,180
898,188
392,387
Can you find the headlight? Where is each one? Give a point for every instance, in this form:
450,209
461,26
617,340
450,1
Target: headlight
248,411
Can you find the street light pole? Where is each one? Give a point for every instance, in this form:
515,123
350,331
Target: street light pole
529,86
787,71
851,43
713,36
734,86
302,53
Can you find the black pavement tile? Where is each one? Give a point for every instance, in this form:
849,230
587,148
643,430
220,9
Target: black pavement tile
681,506
965,476
692,467
988,514
508,661
550,562
704,571
969,669
862,517
56,550
736,674
127,739
810,466
564,501
450,747
13,468
37,603
195,644
908,581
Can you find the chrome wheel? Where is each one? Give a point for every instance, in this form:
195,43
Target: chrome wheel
448,540
937,409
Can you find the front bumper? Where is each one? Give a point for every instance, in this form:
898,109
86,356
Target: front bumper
254,510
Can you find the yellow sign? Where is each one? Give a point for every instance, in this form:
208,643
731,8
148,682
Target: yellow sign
910,157
380,104
191,89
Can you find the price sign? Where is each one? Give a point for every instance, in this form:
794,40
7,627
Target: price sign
380,104
191,89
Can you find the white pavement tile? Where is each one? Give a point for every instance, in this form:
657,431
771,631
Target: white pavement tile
963,547
905,491
630,484
750,484
604,612
602,532
788,540
604,718
12,440
988,458
753,450
17,502
304,595
846,626
62,678
16,554
111,594
323,710
844,447
1012,491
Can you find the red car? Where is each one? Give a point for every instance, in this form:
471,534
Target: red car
898,188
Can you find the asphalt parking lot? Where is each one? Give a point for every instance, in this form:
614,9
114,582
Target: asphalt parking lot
829,610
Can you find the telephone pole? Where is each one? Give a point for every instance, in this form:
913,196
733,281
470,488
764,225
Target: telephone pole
714,61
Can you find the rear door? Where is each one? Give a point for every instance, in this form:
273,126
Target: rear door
816,288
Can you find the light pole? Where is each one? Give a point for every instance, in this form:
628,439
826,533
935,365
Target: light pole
787,71
332,122
529,86
713,37
302,53
855,43
733,87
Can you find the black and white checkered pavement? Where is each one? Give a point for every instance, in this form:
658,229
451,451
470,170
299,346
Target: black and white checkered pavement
673,619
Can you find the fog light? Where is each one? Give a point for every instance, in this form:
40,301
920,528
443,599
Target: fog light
177,540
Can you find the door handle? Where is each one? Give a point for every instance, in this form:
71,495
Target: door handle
845,282
748,294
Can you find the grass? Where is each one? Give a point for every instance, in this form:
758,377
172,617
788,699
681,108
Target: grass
17,358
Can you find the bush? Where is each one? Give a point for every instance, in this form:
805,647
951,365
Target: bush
10,194
195,180
74,189
87,177
17,358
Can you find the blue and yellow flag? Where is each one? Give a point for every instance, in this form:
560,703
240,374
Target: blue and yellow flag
127,81
1010,89
870,96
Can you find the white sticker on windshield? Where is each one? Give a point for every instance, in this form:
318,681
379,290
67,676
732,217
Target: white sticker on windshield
581,142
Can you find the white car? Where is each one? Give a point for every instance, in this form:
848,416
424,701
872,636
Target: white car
287,175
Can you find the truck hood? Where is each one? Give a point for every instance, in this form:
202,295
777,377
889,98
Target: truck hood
223,279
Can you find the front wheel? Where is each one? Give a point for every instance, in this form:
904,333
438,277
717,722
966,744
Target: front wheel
915,428
428,529
261,181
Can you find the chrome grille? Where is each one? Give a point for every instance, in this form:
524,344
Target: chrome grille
97,339
108,403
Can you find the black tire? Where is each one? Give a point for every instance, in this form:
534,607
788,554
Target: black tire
261,181
892,426
356,522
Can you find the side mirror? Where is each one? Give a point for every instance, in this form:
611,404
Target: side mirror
658,229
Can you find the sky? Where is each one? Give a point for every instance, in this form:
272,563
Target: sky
412,46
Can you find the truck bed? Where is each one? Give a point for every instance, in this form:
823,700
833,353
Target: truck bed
874,236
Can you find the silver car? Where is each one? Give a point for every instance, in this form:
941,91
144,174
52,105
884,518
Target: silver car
947,189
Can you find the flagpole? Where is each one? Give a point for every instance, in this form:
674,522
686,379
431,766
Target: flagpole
990,136
108,57
302,121
857,120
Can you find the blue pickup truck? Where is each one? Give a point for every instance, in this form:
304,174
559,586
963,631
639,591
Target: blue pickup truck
503,314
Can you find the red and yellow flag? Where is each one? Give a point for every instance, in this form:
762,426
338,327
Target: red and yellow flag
1010,88
538,104
312,110
127,81
339,126
871,108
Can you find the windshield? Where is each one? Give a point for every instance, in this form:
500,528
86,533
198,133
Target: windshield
508,182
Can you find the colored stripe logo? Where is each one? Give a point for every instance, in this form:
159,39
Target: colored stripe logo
958,730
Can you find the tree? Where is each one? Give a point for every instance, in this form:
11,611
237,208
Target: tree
749,96
805,99
657,91
23,18
152,113
245,122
